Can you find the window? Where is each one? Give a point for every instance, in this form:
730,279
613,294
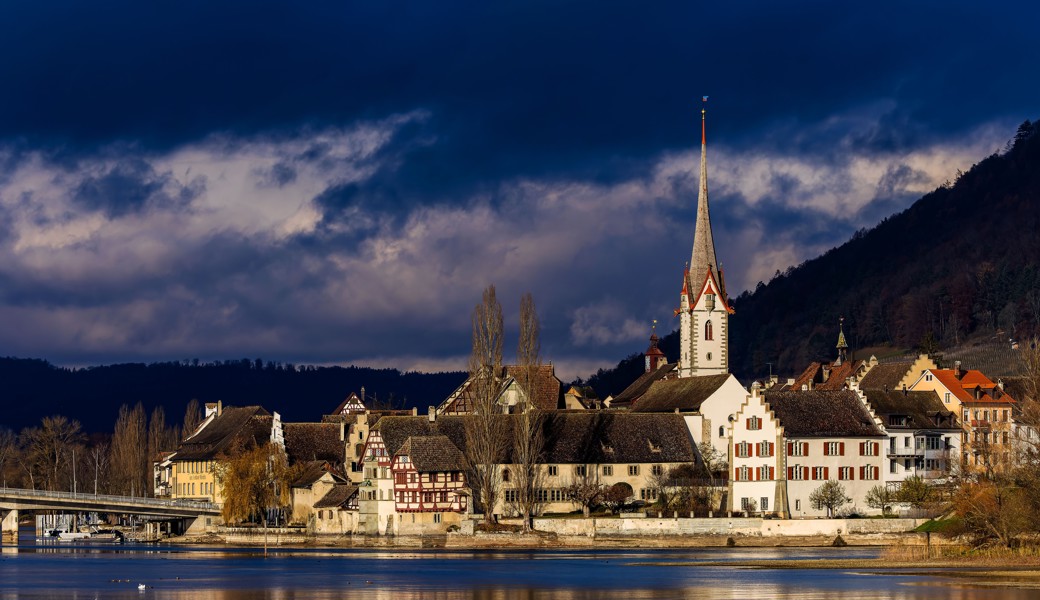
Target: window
869,472
868,448
892,466
542,495
505,475
581,471
510,495
754,423
722,431
743,450
845,473
906,442
633,470
608,470
765,473
709,356
554,470
436,517
707,330
764,504
797,473
834,449
798,448
946,397
819,473
745,503
743,474
1004,416
656,470
765,449
928,377
798,505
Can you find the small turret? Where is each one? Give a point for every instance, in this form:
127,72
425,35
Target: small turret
654,357
843,347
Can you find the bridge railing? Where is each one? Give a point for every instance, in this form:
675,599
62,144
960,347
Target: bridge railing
109,499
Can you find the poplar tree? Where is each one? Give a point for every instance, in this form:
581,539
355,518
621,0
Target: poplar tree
128,462
485,429
528,439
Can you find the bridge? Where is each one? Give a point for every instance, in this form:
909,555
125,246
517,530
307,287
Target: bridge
13,500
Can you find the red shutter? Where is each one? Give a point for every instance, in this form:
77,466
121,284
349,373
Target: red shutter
826,472
805,448
812,473
862,472
772,473
790,448
772,449
876,449
790,473
862,450
826,449
747,423
841,448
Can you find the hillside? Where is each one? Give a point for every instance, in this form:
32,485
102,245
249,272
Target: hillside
34,388
962,261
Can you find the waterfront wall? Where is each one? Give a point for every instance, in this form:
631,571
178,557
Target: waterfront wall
636,527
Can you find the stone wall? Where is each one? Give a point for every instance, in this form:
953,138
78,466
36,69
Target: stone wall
616,527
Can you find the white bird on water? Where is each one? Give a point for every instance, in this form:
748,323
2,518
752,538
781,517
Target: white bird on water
142,586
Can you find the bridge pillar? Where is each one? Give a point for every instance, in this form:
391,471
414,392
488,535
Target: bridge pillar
9,524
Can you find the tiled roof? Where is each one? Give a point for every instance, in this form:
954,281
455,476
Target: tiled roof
822,413
886,376
839,375
546,395
433,454
338,496
639,387
579,437
244,425
313,441
808,377
686,394
925,410
312,471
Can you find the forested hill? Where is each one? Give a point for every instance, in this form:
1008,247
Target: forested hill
32,389
961,261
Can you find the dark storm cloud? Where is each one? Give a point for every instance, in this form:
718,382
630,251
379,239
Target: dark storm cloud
318,182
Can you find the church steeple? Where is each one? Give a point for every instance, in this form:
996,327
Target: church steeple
703,256
842,346
703,305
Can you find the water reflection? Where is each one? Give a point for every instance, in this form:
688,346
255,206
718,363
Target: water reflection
178,573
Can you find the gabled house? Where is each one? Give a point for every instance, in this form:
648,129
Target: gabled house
337,511
894,375
224,430
788,444
985,411
313,482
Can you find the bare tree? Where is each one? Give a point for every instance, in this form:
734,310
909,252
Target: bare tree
48,451
99,460
129,460
485,429
161,438
528,439
8,452
585,491
831,496
192,417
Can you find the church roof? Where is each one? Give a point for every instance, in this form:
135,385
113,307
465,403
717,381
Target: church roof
637,388
685,394
702,259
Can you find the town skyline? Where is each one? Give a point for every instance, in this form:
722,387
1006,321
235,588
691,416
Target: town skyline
338,188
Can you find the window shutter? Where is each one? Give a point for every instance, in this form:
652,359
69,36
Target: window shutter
772,449
747,423
790,448
826,472
805,448
862,472
790,472
772,473
841,448
862,451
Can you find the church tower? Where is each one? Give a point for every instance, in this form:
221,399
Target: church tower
703,305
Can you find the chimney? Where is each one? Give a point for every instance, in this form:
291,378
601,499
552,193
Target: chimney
342,431
756,389
957,369
904,390
1000,384
415,411
431,413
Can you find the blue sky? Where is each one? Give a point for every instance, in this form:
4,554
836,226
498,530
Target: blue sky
336,182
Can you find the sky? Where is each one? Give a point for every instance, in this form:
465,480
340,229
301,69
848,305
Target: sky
336,182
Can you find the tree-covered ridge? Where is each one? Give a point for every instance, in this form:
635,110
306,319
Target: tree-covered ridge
33,388
961,261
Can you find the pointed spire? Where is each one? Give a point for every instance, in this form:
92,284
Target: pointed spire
703,256
842,346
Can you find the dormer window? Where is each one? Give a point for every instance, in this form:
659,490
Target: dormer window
709,302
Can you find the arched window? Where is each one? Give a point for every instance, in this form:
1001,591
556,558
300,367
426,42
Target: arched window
722,431
707,330
505,475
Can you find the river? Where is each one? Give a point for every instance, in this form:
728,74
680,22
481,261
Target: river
45,570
